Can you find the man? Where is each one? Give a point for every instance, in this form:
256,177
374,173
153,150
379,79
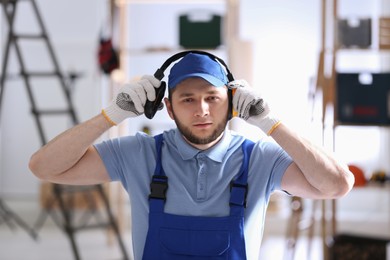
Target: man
218,184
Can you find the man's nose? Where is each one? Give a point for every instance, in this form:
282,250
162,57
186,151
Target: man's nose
202,108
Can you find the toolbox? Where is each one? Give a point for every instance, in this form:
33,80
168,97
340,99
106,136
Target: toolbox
363,98
200,31
354,247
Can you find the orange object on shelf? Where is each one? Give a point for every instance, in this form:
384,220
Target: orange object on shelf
360,179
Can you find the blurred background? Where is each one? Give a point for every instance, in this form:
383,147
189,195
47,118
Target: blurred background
323,65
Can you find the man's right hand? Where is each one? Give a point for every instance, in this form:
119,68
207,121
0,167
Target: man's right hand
130,99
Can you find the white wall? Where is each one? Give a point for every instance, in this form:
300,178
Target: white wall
286,37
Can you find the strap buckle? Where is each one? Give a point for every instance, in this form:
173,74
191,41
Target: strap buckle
158,187
239,186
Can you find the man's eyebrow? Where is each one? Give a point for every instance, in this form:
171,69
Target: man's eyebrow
186,94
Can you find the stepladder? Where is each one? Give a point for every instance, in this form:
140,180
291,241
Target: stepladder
62,200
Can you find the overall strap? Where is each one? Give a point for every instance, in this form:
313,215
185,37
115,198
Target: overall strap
159,184
158,141
239,186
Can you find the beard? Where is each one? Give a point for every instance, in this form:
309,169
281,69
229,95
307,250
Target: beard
191,137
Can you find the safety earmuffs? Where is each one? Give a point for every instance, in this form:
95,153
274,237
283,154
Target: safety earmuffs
151,107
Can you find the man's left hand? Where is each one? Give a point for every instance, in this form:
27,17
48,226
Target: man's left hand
252,107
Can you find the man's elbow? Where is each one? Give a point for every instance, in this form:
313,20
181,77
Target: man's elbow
344,184
37,168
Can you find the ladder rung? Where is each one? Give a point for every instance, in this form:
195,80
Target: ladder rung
92,226
9,1
51,112
30,36
10,76
42,74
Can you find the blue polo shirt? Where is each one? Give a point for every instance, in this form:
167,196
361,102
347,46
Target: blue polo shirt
198,180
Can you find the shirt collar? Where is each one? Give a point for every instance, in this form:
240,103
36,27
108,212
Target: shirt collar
215,153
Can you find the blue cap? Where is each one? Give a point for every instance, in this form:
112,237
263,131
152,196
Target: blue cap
197,65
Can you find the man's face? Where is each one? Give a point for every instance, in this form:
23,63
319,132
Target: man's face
200,111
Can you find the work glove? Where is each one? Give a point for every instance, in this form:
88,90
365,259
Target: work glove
131,98
251,106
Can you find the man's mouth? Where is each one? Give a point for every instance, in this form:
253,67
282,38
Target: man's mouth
202,125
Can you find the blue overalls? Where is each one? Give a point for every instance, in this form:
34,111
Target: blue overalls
174,237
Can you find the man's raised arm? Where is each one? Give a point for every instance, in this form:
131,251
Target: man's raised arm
70,158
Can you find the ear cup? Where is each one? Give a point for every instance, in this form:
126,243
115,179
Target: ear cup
151,107
230,109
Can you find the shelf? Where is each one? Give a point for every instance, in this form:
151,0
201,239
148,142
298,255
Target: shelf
337,123
363,50
164,50
125,2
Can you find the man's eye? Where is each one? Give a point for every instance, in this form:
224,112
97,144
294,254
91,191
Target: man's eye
187,100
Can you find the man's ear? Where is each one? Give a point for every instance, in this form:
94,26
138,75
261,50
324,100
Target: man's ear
168,105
